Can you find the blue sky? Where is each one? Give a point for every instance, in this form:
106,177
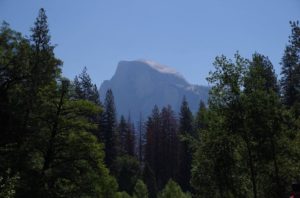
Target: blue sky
184,34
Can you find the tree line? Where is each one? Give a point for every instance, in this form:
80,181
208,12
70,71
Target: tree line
57,139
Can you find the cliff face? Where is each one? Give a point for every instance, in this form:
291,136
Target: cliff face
139,85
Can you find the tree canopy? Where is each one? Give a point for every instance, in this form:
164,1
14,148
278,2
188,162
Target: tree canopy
57,139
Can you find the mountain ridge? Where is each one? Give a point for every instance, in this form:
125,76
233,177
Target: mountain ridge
140,84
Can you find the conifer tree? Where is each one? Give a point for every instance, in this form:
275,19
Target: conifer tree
168,153
290,81
185,154
153,140
201,117
140,140
162,145
64,142
44,70
45,67
109,129
122,129
130,138
126,170
150,180
50,150
85,89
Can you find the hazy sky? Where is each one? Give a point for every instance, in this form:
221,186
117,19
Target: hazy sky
183,34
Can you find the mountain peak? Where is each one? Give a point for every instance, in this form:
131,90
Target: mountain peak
140,84
161,68
140,63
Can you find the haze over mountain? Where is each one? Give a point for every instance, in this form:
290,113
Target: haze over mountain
139,85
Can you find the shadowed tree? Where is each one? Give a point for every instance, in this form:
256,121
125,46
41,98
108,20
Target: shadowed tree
185,154
172,189
290,81
140,190
109,129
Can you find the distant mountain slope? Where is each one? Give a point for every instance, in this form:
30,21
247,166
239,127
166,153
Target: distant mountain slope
139,85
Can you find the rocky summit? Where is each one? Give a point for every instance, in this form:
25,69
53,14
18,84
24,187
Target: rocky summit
139,85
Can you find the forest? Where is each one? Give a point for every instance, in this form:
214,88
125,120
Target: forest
57,139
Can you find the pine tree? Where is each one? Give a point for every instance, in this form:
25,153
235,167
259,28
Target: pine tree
126,137
150,180
40,36
185,118
130,138
153,140
185,154
262,66
201,117
64,142
50,149
168,152
109,129
45,68
290,82
122,129
85,89
126,170
161,149
29,68
141,140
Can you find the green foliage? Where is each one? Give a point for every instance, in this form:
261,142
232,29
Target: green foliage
8,185
45,132
242,150
262,129
65,157
224,126
172,189
45,66
185,118
122,195
201,119
140,190
245,143
290,81
227,80
85,89
15,69
126,169
40,31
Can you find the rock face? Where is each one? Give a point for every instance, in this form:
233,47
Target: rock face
139,85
